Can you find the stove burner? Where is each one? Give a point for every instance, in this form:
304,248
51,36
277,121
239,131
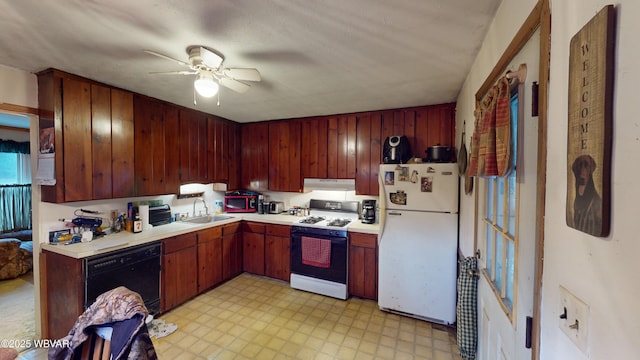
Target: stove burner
338,222
311,220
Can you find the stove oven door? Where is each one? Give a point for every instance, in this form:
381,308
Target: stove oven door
337,270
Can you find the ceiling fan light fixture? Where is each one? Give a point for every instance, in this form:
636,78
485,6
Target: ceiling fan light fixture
206,85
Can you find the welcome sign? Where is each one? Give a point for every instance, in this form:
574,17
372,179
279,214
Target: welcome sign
591,61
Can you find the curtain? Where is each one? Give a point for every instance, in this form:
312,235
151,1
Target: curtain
11,146
15,206
491,139
23,171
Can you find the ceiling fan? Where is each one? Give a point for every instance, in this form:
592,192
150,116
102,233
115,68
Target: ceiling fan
206,64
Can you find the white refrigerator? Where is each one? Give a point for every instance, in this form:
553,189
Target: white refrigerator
417,252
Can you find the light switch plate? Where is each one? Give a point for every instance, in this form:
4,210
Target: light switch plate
576,323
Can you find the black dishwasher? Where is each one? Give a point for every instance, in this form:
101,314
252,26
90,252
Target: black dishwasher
136,268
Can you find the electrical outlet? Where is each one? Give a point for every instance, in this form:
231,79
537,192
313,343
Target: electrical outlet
574,318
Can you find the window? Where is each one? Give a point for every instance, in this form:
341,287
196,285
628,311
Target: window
15,168
499,222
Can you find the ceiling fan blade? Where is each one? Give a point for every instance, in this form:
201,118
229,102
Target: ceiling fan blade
184,72
234,85
247,74
166,57
210,58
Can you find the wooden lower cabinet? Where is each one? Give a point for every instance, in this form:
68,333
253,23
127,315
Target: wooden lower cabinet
253,247
61,300
179,278
209,258
277,251
363,265
231,250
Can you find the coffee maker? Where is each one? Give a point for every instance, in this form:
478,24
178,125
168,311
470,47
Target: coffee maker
368,211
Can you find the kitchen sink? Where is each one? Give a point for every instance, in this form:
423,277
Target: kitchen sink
207,219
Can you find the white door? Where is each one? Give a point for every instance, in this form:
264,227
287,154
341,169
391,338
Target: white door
502,324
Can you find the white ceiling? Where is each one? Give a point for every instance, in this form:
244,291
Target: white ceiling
316,57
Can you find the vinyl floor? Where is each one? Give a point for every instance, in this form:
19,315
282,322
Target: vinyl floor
253,317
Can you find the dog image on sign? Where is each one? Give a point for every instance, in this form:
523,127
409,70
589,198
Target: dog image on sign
587,204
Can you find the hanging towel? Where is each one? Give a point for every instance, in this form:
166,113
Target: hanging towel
316,252
503,128
487,164
467,308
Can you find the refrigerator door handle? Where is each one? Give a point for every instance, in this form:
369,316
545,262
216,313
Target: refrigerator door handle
383,205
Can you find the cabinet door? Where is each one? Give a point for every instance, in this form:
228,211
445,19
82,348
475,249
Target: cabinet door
277,251
149,145
231,255
253,252
172,144
193,146
233,156
313,158
78,161
435,125
62,301
217,149
122,149
101,142
284,156
341,148
363,265
231,250
254,156
369,153
179,270
277,257
209,258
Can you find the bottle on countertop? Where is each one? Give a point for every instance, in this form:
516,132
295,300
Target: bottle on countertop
137,224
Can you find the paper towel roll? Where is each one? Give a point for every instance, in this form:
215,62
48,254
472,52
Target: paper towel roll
144,216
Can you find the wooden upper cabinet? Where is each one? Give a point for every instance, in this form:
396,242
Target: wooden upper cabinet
172,139
341,147
217,149
112,142
284,156
435,125
254,156
233,156
149,145
313,158
122,150
77,139
193,146
93,131
369,153
101,141
424,126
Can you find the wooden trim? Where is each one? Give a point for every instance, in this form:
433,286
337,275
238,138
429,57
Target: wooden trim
543,103
519,40
44,298
4,127
18,109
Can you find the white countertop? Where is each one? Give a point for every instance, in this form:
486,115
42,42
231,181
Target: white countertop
125,239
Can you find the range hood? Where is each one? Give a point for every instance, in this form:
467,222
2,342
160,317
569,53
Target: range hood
329,184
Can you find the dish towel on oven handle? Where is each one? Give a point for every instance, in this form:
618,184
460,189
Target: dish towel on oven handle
316,252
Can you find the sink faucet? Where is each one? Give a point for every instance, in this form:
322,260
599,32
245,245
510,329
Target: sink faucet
203,203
